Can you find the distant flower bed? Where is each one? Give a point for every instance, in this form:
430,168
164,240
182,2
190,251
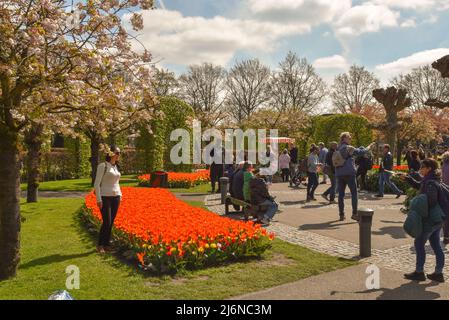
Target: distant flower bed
167,234
403,168
179,179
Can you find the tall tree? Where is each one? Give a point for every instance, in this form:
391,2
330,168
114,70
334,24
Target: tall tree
353,91
296,86
34,32
423,84
247,85
442,65
202,87
164,82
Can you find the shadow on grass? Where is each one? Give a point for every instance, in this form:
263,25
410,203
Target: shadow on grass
54,258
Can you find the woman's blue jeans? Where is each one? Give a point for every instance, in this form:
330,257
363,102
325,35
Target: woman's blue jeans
385,178
351,182
312,184
332,189
420,246
272,209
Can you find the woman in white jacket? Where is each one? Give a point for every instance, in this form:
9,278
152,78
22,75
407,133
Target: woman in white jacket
107,190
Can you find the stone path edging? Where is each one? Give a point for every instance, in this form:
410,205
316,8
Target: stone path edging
401,258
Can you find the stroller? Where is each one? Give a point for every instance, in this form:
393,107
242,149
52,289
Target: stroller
300,175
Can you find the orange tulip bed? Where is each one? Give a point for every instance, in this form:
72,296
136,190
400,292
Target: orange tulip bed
179,179
167,234
403,168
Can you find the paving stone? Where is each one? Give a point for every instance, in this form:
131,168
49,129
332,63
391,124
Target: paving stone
400,258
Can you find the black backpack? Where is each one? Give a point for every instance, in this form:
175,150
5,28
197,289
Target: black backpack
443,199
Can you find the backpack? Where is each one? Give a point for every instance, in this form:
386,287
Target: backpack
338,160
443,198
303,165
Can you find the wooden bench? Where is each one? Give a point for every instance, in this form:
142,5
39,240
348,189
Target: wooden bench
256,211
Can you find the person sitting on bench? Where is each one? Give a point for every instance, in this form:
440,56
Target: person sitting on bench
261,197
236,183
247,177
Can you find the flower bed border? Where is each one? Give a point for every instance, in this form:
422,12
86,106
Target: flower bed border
185,183
173,257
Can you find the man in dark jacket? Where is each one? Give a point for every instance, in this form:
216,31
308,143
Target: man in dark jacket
233,186
293,163
260,196
216,172
330,171
237,183
385,171
364,164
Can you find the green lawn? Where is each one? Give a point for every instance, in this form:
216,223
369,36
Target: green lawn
202,189
82,185
53,238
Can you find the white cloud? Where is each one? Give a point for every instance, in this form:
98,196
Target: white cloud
406,64
188,40
366,18
298,12
333,62
409,23
329,67
178,39
418,5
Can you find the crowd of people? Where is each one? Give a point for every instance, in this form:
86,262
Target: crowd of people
341,164
346,166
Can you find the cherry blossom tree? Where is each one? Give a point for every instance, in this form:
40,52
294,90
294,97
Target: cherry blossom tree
116,101
47,47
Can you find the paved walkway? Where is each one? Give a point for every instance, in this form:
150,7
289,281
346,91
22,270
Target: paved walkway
350,284
315,225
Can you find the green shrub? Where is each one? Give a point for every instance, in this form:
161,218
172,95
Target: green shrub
372,183
328,128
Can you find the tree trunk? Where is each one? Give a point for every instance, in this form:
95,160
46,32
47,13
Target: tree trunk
94,156
9,203
399,153
77,159
33,140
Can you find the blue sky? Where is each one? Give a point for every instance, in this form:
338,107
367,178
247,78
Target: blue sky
387,36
